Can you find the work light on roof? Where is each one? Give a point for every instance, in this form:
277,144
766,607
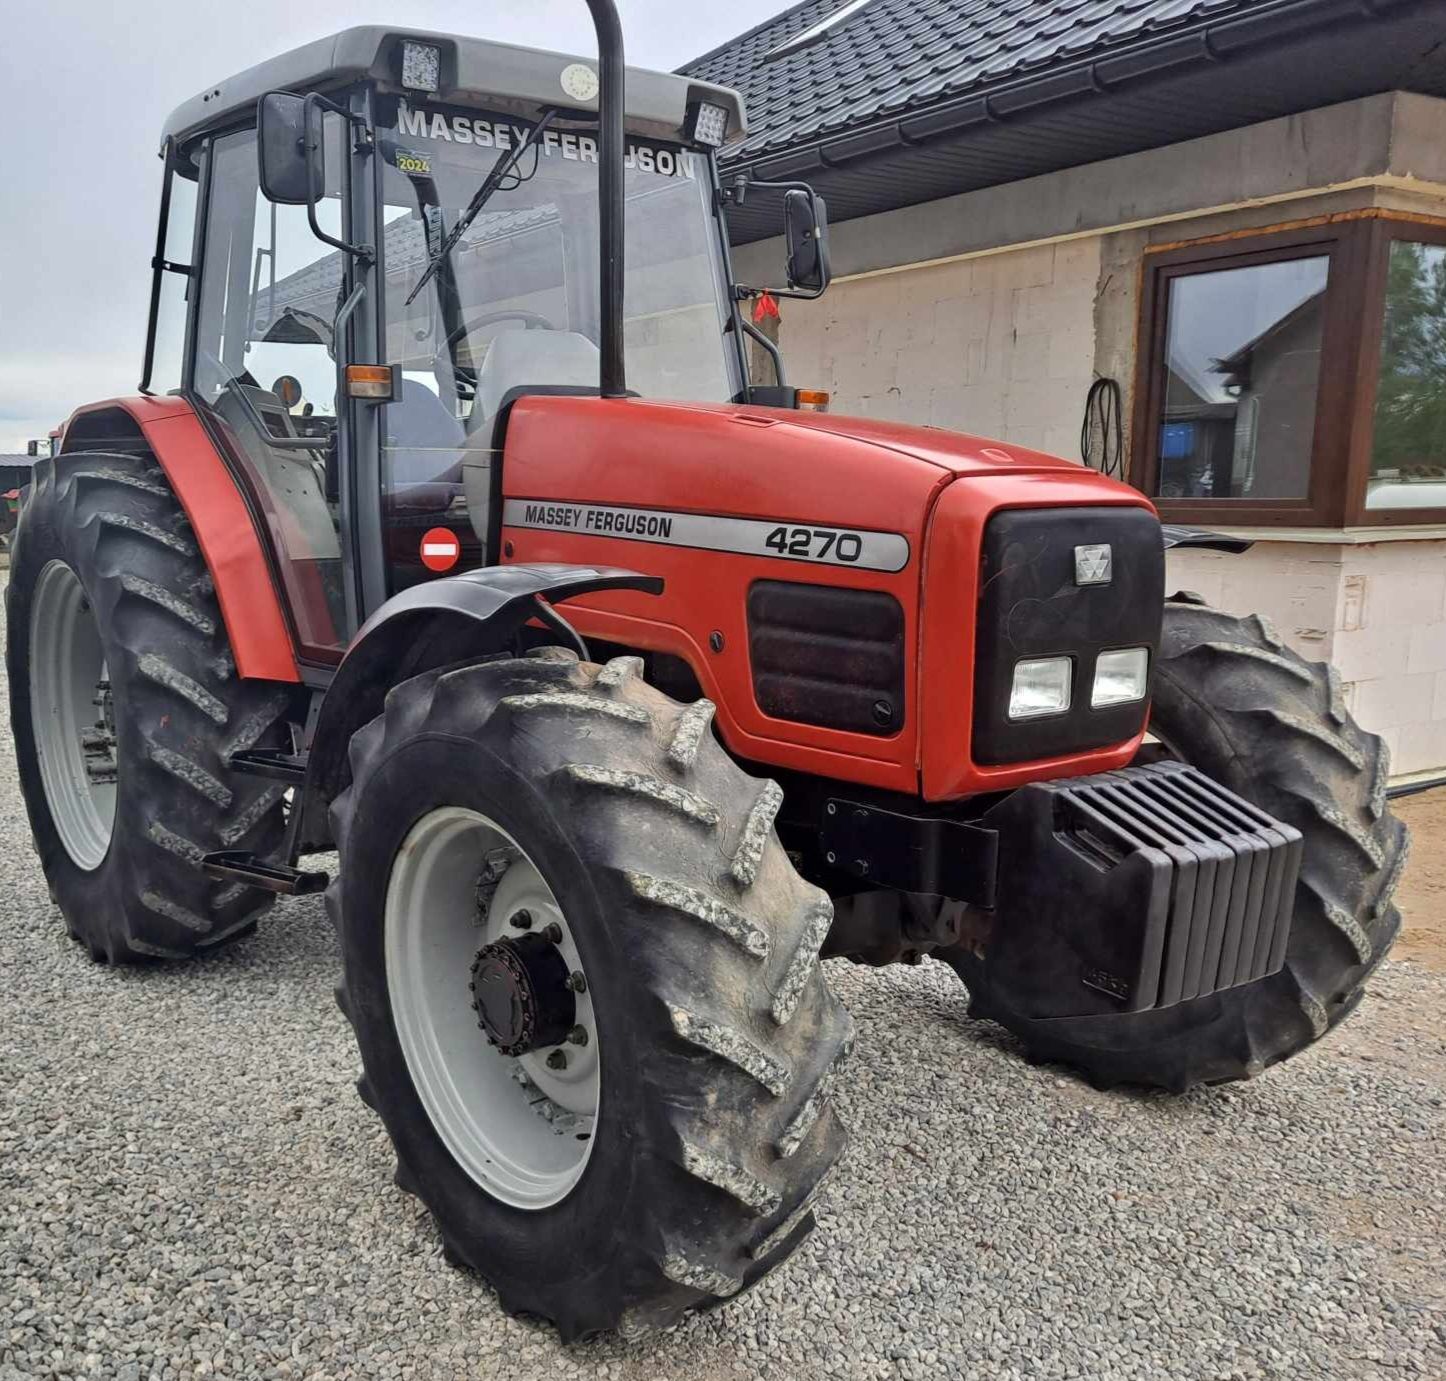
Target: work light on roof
421,66
708,123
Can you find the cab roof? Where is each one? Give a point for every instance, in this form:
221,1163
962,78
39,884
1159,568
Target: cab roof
498,76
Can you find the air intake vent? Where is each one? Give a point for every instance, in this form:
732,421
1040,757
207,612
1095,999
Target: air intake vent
826,655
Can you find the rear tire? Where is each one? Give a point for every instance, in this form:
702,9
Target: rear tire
1234,701
716,1036
109,530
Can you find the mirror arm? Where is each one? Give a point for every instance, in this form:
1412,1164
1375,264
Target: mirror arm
741,186
314,102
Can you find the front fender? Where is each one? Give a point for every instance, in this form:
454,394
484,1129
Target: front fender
455,619
1177,536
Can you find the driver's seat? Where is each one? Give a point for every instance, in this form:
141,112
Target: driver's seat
519,359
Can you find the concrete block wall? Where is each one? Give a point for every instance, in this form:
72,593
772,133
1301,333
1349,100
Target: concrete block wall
1001,345
1391,647
1377,610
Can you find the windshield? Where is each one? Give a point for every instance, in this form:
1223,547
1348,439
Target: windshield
528,261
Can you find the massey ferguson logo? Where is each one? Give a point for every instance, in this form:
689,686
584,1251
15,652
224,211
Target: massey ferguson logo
1093,565
488,133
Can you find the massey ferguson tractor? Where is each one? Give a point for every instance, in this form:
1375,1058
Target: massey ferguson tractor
448,532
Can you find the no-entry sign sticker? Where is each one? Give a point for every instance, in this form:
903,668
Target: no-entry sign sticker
440,549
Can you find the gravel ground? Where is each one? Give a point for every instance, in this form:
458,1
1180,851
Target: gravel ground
189,1186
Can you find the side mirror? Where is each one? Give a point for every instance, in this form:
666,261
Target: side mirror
805,222
289,149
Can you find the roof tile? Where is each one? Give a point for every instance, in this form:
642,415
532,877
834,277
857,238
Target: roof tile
899,56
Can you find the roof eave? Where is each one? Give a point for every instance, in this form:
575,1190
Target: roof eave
1132,61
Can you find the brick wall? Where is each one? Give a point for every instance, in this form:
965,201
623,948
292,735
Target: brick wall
1001,346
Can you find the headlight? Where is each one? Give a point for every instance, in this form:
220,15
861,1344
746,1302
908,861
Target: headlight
1120,677
1040,687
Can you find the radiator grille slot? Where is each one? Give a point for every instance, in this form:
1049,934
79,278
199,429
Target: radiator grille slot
827,655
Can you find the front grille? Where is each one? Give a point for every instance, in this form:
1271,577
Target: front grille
1031,606
1223,876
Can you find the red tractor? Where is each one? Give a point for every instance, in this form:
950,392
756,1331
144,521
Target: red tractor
449,533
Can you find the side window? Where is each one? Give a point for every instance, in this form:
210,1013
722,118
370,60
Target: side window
1239,377
1408,450
264,363
173,288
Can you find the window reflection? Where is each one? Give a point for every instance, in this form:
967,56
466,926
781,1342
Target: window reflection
1408,452
1242,367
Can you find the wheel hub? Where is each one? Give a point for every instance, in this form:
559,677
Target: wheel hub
522,994
521,1126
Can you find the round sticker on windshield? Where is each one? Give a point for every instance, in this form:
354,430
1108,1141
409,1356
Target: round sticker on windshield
579,81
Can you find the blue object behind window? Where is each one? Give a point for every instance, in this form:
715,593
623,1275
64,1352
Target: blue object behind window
1177,440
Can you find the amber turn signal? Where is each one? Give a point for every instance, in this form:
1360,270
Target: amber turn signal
812,400
378,383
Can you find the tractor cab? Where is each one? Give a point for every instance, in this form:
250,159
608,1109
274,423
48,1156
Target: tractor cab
428,207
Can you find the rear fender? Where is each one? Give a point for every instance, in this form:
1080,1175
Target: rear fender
441,622
225,530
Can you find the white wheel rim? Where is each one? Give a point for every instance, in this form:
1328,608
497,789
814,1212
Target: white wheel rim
521,1130
67,671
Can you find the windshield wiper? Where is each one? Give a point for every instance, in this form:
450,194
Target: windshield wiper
480,198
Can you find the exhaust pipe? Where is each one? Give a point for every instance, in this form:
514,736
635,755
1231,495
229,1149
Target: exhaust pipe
612,107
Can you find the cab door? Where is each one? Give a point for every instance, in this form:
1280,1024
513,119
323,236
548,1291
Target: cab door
263,371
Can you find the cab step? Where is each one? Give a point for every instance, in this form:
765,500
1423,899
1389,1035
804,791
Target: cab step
273,763
240,865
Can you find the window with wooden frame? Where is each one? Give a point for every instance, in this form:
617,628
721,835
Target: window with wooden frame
1296,377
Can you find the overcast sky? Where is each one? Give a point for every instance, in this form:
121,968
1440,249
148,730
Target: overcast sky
88,85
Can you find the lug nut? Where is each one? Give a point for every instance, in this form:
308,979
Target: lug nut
521,920
576,982
577,1036
557,1060
553,933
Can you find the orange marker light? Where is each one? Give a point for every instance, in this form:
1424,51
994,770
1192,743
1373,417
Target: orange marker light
812,400
381,383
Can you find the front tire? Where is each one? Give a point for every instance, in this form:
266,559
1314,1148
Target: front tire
125,705
714,1034
1231,699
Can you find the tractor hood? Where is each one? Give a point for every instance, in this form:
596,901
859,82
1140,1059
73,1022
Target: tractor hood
959,452
688,461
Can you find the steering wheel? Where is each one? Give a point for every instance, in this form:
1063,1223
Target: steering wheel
442,365
532,320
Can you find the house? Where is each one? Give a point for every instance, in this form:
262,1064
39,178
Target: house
1198,243
15,470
